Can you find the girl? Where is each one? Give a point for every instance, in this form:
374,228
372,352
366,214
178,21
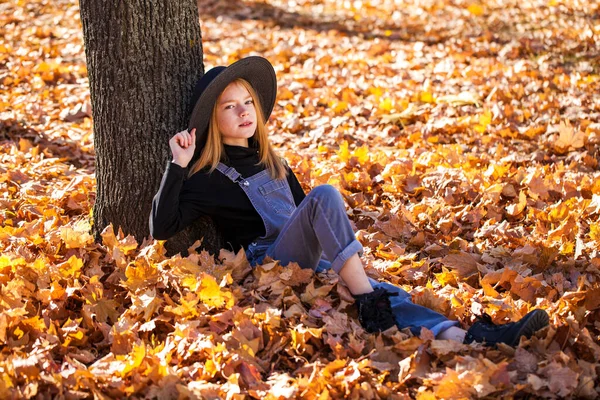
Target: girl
257,203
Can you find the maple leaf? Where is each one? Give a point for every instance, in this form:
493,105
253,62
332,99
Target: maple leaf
77,235
463,263
147,303
71,268
140,274
336,323
311,293
294,275
211,294
569,138
102,310
458,178
561,380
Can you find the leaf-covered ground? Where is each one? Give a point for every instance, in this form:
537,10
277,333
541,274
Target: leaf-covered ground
464,136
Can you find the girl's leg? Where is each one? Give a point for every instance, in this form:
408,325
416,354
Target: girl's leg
320,224
354,276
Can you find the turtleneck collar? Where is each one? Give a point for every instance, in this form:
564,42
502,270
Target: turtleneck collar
241,152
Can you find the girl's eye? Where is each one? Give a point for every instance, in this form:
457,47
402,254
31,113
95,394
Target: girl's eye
250,102
229,107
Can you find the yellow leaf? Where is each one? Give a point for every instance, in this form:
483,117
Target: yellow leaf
484,120
386,104
213,295
446,277
18,332
190,282
343,153
595,232
376,91
140,274
211,367
426,97
338,107
7,263
475,9
361,154
71,268
135,359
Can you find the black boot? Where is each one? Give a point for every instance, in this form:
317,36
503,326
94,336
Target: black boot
375,311
485,331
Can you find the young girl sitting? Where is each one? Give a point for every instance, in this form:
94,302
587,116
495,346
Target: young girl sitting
257,203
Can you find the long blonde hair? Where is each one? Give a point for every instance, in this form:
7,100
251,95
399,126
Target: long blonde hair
214,150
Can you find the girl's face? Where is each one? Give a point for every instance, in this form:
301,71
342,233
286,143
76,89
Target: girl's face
236,115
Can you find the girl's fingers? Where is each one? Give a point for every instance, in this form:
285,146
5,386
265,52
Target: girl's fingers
184,139
180,139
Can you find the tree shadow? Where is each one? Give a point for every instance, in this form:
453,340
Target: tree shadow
435,29
67,150
276,16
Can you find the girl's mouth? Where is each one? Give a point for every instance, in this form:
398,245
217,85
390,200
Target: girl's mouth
245,124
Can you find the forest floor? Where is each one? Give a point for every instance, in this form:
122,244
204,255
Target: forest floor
464,137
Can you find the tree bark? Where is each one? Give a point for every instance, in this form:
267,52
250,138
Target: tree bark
143,59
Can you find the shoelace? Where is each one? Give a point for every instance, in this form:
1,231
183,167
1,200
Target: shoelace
484,318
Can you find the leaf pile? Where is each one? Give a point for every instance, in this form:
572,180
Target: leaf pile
464,137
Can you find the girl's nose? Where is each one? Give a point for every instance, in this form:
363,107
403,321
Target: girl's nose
244,112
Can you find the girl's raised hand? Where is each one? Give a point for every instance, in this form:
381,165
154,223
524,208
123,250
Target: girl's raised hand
182,147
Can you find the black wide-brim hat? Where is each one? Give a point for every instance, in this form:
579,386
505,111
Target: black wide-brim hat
257,71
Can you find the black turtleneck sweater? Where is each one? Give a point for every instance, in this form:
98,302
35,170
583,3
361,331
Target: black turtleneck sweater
181,200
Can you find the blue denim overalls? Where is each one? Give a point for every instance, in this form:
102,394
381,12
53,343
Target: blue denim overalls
319,226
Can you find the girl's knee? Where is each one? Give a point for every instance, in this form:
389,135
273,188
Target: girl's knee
326,192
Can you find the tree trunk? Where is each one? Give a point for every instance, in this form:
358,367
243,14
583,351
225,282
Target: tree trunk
143,59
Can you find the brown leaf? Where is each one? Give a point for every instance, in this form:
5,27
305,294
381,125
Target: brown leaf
293,275
561,380
461,262
569,138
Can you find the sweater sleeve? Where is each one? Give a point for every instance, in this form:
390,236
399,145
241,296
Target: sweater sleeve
170,214
296,188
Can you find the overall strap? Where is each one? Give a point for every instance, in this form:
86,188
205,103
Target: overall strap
232,174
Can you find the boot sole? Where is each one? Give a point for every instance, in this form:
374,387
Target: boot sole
536,320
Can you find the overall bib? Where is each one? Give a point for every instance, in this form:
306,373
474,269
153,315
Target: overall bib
318,226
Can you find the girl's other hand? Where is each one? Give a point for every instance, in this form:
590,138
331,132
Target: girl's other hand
182,147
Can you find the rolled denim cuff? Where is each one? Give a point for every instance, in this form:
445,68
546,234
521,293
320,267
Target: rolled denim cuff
343,256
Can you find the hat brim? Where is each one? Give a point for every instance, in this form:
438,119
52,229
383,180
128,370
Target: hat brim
257,71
